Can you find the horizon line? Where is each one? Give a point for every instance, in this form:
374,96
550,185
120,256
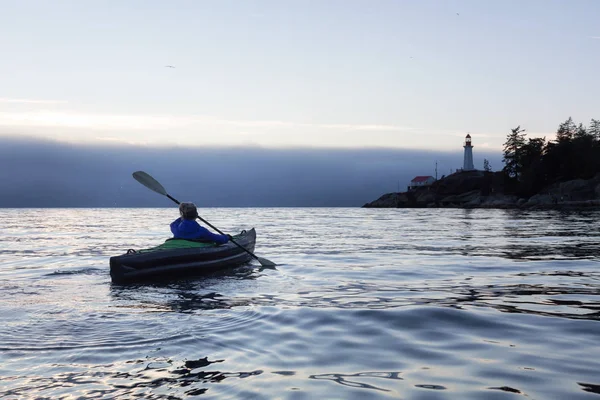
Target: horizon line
103,143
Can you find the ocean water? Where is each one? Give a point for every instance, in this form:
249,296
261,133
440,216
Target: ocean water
364,304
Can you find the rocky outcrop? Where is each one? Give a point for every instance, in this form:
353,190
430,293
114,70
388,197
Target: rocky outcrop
478,189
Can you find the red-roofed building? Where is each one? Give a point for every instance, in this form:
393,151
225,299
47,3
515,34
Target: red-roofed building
419,181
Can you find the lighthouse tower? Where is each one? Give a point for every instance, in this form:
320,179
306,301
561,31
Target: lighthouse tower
468,164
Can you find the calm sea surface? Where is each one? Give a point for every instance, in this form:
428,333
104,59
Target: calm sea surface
364,304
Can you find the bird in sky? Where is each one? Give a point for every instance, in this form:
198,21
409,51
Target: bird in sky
169,66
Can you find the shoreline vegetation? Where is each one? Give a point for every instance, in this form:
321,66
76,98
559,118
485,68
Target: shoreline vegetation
538,174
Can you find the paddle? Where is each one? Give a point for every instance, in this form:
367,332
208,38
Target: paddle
153,184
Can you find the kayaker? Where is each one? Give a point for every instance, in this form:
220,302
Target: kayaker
186,227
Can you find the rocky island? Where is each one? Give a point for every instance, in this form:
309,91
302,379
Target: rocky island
538,174
481,189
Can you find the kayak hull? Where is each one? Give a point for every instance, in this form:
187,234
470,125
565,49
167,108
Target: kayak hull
181,262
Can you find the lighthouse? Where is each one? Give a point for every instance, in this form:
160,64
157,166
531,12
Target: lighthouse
468,164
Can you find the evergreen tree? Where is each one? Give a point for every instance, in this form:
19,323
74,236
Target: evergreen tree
581,132
594,129
532,178
486,165
513,149
532,152
566,131
534,164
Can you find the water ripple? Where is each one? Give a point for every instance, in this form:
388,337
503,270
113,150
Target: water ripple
364,303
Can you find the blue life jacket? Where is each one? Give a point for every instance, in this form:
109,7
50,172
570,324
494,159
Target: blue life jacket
191,230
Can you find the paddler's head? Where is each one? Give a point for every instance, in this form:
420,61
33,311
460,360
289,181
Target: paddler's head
188,211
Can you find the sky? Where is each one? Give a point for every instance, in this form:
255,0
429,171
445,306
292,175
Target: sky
280,77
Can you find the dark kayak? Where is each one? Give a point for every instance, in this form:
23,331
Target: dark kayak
178,258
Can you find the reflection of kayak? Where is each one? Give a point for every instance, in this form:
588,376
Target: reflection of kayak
176,258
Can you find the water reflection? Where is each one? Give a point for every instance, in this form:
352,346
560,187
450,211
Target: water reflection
466,229
433,387
352,379
588,387
506,389
183,296
556,249
146,378
183,375
551,251
545,299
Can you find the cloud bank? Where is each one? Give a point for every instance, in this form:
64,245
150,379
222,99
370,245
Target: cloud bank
38,173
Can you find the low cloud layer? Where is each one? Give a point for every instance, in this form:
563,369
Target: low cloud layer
36,173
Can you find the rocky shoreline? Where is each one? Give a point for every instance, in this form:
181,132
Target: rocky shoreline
479,189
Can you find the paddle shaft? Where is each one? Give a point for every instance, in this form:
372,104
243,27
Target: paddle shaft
217,229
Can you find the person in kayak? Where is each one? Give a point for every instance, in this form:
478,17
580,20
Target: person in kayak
186,227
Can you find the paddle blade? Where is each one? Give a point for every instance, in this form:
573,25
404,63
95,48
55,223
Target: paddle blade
149,182
266,263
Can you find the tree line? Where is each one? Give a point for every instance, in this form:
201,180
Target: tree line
534,163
